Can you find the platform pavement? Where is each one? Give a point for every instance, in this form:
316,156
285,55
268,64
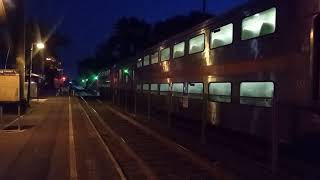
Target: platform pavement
42,148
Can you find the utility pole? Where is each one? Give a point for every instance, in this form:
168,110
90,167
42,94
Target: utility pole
29,76
19,43
204,6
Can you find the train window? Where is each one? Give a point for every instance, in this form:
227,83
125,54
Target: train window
155,58
145,87
220,92
256,93
177,89
139,63
154,88
222,36
260,24
164,89
165,54
195,90
146,60
196,44
178,50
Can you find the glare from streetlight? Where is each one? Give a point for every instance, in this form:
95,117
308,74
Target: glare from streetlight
2,10
40,45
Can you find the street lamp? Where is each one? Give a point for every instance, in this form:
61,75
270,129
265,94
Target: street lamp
39,46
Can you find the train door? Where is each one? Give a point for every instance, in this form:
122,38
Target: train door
316,59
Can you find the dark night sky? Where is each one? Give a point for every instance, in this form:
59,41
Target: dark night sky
88,23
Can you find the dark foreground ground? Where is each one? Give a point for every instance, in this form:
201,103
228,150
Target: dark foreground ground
57,141
44,149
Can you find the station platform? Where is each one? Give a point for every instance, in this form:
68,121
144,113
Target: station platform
54,142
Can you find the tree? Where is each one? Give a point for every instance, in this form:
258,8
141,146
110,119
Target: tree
131,36
177,24
87,67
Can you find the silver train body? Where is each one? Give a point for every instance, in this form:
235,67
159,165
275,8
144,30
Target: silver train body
283,62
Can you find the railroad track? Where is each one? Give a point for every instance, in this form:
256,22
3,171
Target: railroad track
141,153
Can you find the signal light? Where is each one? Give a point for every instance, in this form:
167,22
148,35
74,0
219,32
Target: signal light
84,80
96,78
126,71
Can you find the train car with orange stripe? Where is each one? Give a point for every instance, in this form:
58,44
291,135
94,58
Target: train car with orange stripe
249,71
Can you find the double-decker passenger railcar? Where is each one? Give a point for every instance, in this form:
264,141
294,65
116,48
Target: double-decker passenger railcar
227,71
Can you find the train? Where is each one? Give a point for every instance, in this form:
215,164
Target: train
251,70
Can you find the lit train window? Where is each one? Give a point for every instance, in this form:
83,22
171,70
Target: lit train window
178,50
256,93
196,44
177,89
145,87
164,89
222,36
155,58
139,63
195,90
146,60
260,24
220,92
165,54
154,88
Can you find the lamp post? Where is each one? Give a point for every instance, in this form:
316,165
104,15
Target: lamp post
39,45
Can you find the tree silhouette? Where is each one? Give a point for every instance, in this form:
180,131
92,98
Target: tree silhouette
131,36
177,24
